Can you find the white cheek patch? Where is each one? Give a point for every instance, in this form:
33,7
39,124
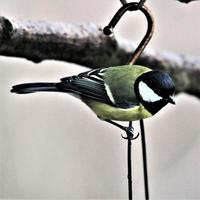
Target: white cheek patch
147,93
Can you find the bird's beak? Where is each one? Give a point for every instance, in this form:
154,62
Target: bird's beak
171,100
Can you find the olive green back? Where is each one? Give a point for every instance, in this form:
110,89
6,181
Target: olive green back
121,81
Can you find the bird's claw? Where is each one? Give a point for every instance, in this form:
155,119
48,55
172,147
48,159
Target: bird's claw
129,130
130,133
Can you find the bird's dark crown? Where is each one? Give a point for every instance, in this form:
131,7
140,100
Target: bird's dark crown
159,90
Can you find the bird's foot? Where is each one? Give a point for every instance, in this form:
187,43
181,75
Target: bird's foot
129,130
130,133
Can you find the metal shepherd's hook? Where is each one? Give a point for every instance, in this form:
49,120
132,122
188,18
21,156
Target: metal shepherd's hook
108,30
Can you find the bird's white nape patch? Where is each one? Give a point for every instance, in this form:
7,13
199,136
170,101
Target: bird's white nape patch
147,93
109,93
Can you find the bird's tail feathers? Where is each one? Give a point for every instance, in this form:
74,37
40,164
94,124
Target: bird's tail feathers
34,87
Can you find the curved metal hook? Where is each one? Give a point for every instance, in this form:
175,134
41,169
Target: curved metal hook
141,3
108,30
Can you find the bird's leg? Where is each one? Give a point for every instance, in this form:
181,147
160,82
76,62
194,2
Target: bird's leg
126,129
129,130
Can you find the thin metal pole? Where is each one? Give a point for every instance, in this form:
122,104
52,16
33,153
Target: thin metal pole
143,141
129,170
107,31
129,163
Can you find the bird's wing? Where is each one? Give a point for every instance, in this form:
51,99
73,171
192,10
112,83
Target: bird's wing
112,85
88,84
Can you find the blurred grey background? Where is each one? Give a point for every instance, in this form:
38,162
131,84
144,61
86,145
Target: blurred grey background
53,146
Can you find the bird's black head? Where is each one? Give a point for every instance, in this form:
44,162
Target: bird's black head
154,90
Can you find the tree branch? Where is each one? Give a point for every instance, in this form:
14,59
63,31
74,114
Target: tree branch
86,45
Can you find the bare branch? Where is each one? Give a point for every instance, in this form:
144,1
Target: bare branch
86,45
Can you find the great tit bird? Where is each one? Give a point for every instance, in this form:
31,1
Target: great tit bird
122,93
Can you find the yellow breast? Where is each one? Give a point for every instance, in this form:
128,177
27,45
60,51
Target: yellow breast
105,111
